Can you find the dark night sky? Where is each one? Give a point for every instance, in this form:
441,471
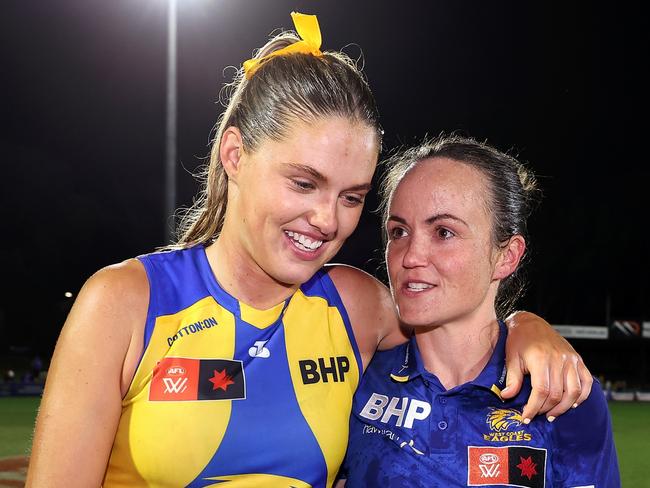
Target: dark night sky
83,114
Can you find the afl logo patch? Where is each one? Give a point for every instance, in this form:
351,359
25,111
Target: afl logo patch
488,458
521,466
190,379
176,371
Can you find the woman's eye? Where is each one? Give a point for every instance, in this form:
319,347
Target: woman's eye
302,184
396,232
445,233
353,200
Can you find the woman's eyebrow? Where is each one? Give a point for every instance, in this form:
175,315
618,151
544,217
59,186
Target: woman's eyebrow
321,178
444,216
430,220
317,175
395,218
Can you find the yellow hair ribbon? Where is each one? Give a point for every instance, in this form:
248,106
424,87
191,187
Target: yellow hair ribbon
309,32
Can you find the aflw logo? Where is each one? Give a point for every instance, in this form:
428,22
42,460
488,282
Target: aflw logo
490,470
178,385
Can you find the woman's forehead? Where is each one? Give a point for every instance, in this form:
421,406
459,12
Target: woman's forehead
441,182
326,144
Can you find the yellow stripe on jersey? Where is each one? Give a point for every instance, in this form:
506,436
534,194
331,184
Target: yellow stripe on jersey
256,480
151,433
260,318
326,398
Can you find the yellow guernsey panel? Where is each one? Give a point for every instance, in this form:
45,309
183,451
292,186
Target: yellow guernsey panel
325,374
151,433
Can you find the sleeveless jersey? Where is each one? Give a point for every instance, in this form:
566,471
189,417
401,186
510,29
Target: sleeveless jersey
227,395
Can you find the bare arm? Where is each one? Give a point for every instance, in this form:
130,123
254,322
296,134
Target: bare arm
370,308
558,375
93,363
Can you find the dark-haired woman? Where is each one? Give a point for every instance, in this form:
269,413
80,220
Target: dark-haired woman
234,357
430,413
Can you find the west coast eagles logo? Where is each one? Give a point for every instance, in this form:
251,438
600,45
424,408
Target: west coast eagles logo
502,421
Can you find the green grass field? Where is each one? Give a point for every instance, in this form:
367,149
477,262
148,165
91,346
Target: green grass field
17,416
631,423
631,431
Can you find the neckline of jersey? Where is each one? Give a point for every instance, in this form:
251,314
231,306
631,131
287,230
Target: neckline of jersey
493,374
247,313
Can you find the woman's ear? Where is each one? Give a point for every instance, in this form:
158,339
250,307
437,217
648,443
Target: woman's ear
509,257
230,150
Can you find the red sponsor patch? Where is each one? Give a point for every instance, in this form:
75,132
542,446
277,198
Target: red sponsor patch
487,465
175,379
521,466
190,379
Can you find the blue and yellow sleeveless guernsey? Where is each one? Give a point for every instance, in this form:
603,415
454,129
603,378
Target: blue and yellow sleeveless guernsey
227,395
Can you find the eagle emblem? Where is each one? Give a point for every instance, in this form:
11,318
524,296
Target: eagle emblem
500,419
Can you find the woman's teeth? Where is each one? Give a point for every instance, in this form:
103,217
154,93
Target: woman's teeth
303,242
417,287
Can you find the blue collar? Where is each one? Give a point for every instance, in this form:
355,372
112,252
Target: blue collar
493,376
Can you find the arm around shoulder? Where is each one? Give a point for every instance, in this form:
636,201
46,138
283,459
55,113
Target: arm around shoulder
94,360
559,377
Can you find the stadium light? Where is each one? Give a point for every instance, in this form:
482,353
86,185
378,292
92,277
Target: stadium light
68,294
170,128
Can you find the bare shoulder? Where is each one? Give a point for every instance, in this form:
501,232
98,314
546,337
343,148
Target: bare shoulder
93,363
360,289
369,306
120,287
345,276
112,307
